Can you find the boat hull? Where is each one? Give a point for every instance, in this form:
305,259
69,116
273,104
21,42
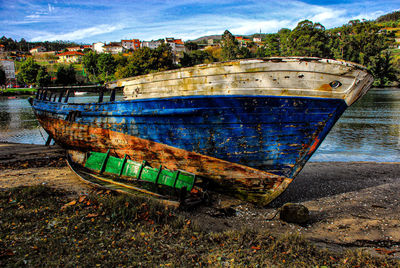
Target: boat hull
251,147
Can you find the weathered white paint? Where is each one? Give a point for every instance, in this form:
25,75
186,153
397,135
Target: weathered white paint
291,76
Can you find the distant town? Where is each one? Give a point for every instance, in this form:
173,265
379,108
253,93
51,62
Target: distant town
74,54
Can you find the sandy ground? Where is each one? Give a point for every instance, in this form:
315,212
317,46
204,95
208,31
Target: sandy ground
352,205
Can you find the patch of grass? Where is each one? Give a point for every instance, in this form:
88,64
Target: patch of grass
41,226
19,90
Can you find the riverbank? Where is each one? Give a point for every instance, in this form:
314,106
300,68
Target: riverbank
353,205
17,91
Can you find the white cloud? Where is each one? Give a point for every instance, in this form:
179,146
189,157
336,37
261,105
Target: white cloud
33,16
254,26
51,8
188,19
79,34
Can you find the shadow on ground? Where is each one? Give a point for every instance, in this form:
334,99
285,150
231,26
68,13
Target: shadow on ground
319,179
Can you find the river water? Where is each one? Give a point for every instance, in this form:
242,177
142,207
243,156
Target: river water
368,131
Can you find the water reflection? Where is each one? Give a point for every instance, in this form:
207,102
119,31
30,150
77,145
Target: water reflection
367,131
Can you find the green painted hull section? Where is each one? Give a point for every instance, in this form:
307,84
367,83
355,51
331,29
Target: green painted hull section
104,163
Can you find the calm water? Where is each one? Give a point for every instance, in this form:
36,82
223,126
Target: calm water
368,131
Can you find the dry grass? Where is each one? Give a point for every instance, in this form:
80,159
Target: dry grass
41,226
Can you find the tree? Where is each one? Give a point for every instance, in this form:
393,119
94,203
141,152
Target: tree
271,46
66,75
309,39
383,70
90,64
244,53
140,62
359,42
230,46
29,70
146,60
164,58
191,46
43,78
284,34
196,57
106,66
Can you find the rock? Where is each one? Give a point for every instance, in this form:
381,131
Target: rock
294,213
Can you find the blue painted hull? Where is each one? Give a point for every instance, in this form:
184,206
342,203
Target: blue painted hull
268,133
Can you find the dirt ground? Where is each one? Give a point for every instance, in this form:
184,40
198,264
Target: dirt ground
352,205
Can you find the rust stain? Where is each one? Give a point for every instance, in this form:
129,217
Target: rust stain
325,87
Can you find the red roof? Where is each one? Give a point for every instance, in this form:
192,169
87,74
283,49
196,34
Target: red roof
71,53
178,41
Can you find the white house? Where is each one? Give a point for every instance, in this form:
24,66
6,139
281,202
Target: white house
37,50
98,47
113,48
130,44
9,68
70,57
151,44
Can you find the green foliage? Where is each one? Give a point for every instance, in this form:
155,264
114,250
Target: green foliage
196,57
2,77
191,46
29,70
358,42
90,64
23,45
43,78
394,16
230,46
383,69
66,75
146,60
309,39
106,66
271,46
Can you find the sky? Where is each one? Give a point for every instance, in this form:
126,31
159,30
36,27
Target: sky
104,21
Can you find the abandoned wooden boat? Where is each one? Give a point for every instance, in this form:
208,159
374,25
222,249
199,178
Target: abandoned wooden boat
248,126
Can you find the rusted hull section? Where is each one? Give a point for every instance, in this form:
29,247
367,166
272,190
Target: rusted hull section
244,182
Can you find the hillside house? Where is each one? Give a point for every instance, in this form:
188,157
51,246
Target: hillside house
131,44
37,50
70,57
9,68
243,42
177,47
87,47
74,48
113,48
98,47
151,44
79,48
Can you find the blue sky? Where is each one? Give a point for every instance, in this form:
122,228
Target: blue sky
99,20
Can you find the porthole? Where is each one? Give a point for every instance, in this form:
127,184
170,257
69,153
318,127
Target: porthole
335,84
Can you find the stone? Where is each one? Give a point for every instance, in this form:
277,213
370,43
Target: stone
294,213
